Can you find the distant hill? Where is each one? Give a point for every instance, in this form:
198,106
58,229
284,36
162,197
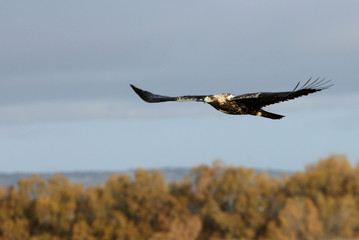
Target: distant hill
92,178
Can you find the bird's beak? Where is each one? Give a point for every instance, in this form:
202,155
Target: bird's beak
207,100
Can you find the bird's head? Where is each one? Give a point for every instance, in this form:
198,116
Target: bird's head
208,99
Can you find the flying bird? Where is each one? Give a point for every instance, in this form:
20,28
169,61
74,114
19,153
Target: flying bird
250,103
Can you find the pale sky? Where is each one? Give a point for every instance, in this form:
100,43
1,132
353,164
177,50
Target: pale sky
66,66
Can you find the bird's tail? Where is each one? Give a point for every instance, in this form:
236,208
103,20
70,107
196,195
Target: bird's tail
270,115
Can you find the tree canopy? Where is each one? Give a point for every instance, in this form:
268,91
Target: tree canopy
213,202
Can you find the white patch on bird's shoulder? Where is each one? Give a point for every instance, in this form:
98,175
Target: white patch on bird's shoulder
223,98
230,96
254,95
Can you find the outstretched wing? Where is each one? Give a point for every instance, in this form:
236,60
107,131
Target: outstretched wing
262,99
154,98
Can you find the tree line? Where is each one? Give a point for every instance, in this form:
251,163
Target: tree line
212,202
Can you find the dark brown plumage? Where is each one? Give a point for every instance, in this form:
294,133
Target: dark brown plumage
250,103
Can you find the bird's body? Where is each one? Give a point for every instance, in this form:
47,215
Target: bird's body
250,103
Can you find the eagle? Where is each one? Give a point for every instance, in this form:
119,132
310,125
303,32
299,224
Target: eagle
249,103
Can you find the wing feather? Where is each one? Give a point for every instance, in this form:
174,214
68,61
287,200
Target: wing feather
155,98
262,99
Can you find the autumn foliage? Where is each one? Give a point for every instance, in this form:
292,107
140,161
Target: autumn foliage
213,202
